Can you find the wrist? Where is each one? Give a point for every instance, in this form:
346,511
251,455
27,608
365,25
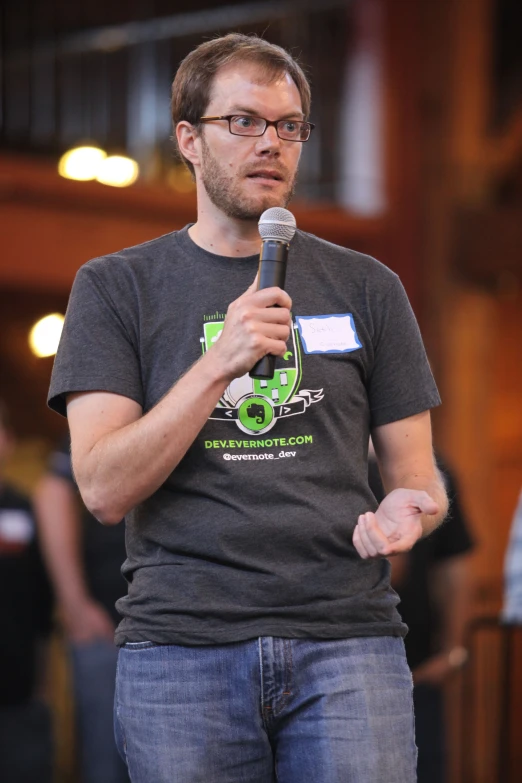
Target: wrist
214,371
71,602
457,657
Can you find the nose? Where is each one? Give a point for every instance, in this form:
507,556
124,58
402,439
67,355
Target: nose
269,142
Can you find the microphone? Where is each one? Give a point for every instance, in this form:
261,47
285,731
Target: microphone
277,226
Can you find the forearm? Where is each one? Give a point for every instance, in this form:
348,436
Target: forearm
60,535
405,456
128,464
452,592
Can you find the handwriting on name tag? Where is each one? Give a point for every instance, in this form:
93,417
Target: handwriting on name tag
328,333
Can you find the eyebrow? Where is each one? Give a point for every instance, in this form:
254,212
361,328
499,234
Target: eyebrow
243,110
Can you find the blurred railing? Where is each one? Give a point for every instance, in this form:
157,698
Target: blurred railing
491,704
70,74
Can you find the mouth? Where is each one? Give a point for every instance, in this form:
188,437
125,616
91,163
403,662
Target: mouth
266,175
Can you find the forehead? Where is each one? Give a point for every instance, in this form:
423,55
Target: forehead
245,85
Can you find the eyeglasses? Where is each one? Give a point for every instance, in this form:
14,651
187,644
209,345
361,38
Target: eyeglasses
245,125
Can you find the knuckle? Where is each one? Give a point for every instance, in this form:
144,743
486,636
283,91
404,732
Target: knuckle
244,315
255,340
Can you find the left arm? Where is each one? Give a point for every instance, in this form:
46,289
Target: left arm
416,500
451,587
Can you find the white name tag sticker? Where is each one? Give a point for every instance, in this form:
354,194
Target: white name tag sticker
328,333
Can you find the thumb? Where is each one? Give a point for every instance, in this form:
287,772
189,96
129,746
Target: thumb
425,502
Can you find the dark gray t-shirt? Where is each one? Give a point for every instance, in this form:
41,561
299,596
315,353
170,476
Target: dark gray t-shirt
251,535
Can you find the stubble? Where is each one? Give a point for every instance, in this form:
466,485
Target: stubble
225,192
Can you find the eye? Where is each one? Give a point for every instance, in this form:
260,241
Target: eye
291,127
244,123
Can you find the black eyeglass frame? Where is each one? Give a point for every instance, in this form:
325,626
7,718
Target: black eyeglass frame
274,123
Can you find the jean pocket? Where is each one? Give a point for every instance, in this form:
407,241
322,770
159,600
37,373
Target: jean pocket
139,645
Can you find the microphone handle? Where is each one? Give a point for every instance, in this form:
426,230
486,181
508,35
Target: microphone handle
272,272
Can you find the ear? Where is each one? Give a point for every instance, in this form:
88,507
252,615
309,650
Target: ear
188,142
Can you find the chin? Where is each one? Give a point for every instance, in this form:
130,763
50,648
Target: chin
268,200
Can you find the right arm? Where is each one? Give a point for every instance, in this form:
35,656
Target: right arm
59,525
121,457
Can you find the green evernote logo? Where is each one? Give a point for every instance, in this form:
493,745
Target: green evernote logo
255,414
256,405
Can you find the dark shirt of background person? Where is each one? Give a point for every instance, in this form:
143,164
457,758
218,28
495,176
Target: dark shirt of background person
26,608
432,649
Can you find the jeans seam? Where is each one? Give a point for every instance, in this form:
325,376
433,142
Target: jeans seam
288,672
262,682
137,646
117,700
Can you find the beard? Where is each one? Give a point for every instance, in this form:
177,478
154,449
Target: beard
224,190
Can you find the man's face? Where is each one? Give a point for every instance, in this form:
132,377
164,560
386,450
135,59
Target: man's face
244,175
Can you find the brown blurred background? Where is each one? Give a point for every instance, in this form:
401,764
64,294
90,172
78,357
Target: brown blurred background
417,160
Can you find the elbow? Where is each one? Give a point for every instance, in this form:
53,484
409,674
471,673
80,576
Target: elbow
101,497
102,507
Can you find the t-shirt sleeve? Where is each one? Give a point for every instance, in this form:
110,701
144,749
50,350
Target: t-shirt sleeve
401,383
98,348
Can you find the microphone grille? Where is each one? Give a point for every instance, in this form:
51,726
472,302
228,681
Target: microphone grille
277,223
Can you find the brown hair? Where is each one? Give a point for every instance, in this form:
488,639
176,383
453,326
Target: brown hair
193,81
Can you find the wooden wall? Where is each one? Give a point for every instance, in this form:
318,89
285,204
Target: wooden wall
439,233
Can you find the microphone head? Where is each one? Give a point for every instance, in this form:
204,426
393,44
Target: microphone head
278,224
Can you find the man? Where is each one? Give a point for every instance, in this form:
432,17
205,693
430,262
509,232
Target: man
84,561
257,638
26,748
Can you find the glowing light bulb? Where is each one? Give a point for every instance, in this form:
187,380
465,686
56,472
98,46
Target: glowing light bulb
45,335
118,171
81,163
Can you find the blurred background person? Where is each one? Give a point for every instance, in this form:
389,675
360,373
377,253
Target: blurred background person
26,748
512,611
433,581
84,560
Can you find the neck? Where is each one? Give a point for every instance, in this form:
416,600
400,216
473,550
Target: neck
233,241
218,233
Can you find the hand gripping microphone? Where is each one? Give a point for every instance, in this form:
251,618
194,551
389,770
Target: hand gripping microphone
277,227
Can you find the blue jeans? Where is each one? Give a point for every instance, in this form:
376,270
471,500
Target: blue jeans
266,710
94,679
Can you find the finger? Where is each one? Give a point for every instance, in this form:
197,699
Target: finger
275,331
378,539
253,286
402,543
367,541
359,546
275,315
268,297
276,347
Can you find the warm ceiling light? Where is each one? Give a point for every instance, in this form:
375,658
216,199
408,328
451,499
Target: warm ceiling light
118,171
45,335
81,163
